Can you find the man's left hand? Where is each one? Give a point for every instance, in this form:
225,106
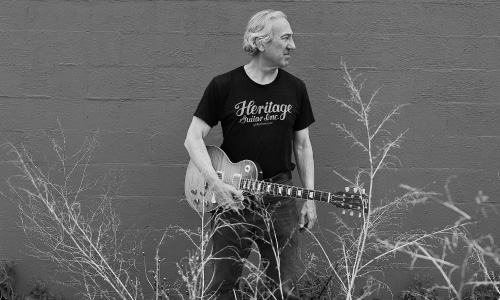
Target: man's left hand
309,210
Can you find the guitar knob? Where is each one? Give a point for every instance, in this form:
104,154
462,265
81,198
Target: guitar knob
196,201
194,192
205,203
203,194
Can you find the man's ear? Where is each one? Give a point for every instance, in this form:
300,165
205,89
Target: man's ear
260,46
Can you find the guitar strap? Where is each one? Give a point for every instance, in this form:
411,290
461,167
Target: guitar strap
281,177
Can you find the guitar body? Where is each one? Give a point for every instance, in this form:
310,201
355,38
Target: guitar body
199,195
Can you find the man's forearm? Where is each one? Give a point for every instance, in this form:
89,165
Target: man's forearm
305,165
198,153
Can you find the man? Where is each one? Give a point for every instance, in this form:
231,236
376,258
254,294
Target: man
265,114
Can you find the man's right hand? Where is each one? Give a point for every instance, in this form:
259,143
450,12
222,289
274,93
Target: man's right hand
227,195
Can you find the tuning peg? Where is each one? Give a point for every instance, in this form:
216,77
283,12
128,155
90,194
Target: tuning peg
355,190
363,191
343,211
359,215
346,189
351,213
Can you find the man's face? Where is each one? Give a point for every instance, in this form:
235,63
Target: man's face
277,51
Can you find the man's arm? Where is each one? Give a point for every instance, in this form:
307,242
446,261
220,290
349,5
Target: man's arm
305,164
195,145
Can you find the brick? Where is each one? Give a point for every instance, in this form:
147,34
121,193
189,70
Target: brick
138,49
162,180
406,17
126,82
163,113
155,212
12,15
105,48
123,16
124,147
169,148
58,47
399,51
54,80
24,114
188,16
176,83
474,119
17,46
57,15
193,49
470,153
11,77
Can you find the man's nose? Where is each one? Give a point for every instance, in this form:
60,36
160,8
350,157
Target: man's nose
291,44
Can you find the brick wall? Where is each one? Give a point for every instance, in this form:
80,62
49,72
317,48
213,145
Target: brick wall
135,71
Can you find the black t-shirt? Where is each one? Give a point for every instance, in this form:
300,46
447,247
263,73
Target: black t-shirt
257,120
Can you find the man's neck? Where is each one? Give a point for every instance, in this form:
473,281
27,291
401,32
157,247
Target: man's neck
259,73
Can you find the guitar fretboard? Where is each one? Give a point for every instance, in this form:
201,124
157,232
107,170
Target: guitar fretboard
262,187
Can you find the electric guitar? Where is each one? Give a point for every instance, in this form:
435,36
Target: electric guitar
246,176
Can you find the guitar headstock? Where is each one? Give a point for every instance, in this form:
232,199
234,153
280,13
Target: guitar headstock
354,200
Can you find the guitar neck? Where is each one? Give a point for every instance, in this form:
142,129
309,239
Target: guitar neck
275,189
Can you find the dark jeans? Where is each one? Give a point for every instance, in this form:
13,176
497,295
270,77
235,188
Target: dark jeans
278,238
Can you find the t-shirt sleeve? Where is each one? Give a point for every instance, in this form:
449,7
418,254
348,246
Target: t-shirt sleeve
207,108
306,116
